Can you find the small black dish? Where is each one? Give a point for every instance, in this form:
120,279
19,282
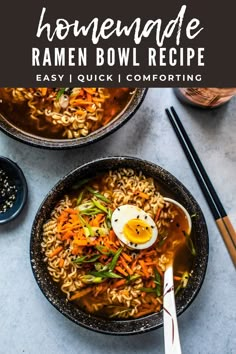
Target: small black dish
175,190
17,177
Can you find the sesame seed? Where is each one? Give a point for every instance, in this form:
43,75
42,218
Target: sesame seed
7,192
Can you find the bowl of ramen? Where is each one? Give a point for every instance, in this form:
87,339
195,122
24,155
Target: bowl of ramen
61,118
99,245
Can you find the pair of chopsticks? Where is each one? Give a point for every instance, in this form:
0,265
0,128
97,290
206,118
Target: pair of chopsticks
222,220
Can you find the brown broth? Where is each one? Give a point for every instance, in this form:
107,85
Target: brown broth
176,242
19,115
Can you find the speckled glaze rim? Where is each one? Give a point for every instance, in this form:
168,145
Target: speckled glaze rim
174,189
22,193
64,144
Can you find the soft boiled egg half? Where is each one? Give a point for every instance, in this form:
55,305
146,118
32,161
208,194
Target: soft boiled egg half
134,227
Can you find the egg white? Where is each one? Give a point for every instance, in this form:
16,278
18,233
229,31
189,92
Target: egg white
125,213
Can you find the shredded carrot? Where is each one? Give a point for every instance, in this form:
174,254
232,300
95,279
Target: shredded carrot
160,271
158,214
71,211
125,265
133,265
81,293
119,283
61,263
112,236
126,257
75,251
142,194
97,220
56,251
90,90
107,120
80,242
177,278
121,271
43,90
150,263
144,268
87,305
67,235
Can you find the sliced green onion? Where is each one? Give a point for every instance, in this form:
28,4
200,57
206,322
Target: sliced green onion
80,197
86,231
101,250
90,212
106,274
157,281
183,282
100,267
83,222
133,277
60,93
100,206
81,183
112,264
98,195
108,218
90,230
190,244
91,279
100,231
86,259
148,290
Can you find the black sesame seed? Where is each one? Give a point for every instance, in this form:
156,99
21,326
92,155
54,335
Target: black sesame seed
116,220
146,217
152,226
177,224
138,217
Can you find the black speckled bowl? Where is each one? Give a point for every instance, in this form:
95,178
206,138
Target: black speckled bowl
174,189
132,106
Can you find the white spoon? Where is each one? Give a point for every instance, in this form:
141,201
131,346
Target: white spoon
171,331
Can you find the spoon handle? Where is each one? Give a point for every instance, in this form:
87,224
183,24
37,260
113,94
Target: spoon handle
171,331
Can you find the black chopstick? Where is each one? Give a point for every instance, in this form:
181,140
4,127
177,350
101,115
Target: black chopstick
223,222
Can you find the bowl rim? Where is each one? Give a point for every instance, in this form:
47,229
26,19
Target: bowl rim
21,177
65,144
140,324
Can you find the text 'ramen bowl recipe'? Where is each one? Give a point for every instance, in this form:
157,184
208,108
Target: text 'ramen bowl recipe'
101,242
65,117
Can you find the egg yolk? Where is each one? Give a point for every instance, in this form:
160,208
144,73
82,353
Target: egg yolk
137,231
